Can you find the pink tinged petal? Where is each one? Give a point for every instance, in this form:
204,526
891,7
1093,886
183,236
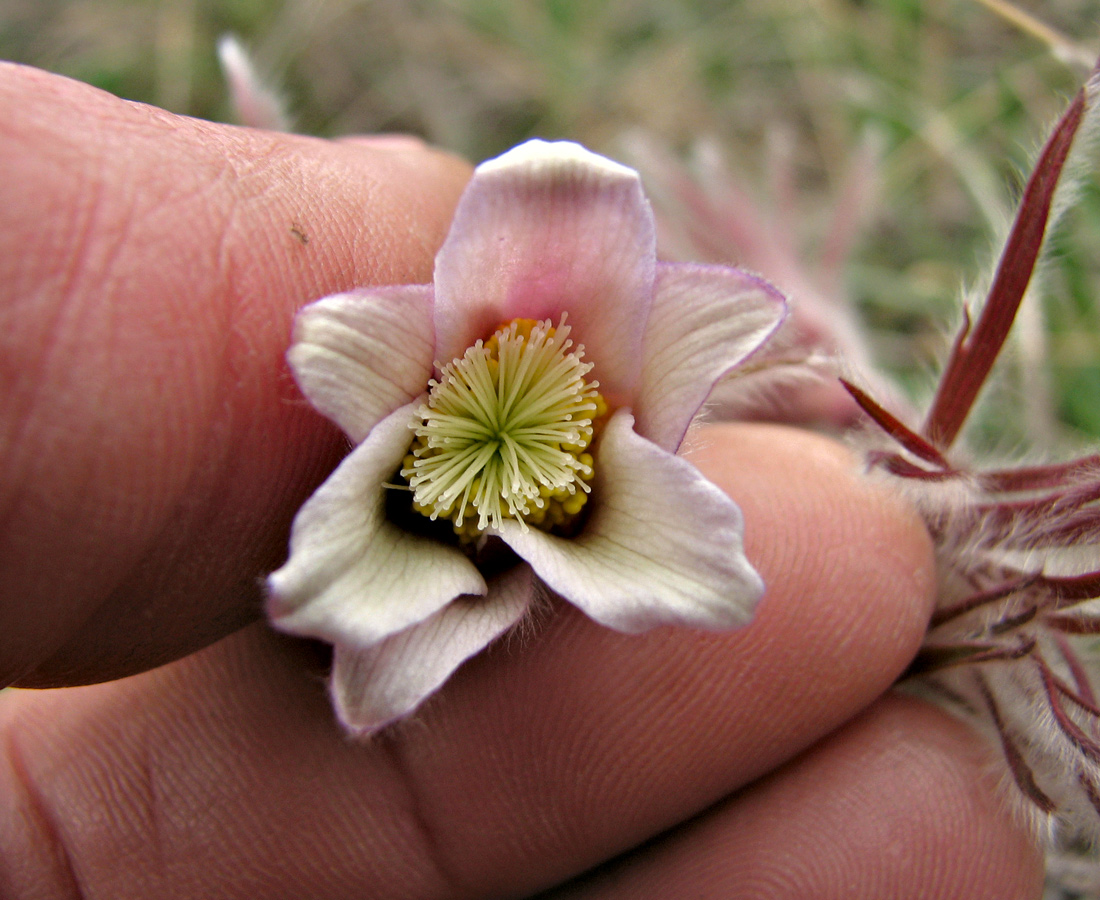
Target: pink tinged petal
353,577
548,228
705,321
662,544
373,687
256,104
359,356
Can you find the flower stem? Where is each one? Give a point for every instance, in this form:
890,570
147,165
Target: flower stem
977,348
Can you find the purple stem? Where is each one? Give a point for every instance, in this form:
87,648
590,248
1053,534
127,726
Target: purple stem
976,349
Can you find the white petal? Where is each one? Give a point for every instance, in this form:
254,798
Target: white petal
661,546
375,686
359,356
353,577
548,228
705,321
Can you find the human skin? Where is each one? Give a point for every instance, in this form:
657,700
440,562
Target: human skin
153,451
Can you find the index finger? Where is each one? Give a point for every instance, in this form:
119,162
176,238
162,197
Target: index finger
152,447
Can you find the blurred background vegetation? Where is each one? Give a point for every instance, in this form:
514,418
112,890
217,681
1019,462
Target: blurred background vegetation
954,96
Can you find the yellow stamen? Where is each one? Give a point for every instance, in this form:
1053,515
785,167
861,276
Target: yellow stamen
506,432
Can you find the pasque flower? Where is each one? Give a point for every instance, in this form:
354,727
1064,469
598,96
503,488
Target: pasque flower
516,424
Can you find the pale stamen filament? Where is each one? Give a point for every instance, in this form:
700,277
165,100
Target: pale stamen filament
505,432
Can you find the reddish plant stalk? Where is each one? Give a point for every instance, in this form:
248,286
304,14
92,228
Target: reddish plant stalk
894,427
1021,772
1069,728
1084,695
976,349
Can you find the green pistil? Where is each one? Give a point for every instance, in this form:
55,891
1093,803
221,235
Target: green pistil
505,433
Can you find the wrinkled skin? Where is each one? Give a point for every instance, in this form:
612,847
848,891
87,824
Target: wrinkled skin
152,454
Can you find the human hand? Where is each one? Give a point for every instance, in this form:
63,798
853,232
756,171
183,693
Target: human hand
152,453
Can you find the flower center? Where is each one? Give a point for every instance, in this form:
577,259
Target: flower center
505,433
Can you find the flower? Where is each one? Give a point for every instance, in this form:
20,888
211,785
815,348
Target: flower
521,461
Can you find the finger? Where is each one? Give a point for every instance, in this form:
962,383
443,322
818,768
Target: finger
550,753
898,804
153,447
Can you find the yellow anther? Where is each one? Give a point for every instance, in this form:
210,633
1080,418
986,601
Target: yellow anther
574,448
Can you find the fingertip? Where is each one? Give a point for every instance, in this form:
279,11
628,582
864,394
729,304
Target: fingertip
839,528
898,803
152,265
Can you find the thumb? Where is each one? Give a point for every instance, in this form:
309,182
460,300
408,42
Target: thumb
153,448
